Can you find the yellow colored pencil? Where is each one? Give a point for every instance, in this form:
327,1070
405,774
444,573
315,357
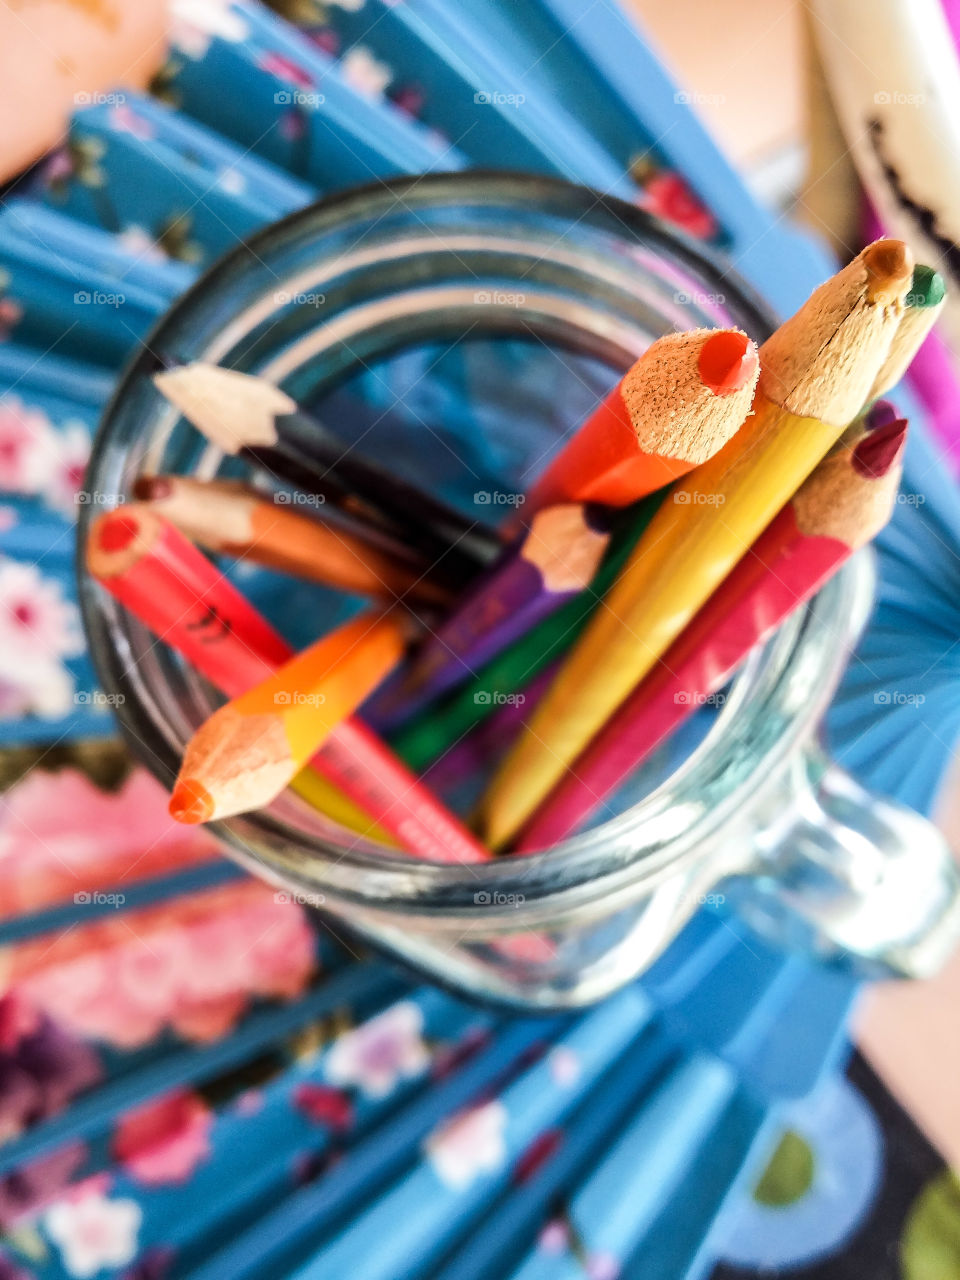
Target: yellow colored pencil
816,371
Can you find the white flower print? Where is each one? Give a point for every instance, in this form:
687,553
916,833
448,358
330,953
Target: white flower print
94,1232
468,1145
195,23
375,1056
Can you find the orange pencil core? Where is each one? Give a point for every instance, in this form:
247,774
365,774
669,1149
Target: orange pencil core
727,362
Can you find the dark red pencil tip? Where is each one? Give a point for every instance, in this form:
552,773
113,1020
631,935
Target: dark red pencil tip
728,361
116,530
149,488
876,454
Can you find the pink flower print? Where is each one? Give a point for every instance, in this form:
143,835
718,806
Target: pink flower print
602,1266
668,196
27,442
293,125
125,120
363,72
324,1106
93,1233
195,23
11,313
71,453
564,1066
409,98
165,1140
36,622
326,39
375,1056
28,1188
555,1237
284,68
468,1145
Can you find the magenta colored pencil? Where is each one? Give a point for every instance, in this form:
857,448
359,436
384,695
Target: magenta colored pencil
552,561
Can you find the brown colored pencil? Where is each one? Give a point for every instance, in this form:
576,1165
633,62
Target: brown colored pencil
229,517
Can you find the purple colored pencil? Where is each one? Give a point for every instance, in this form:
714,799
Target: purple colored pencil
555,558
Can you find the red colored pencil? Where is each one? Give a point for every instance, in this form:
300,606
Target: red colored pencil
159,575
844,503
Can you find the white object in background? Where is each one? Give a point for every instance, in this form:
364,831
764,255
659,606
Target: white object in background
894,76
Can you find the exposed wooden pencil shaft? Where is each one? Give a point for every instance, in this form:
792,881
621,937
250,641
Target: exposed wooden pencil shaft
234,410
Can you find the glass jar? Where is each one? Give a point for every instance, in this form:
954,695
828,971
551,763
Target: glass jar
753,814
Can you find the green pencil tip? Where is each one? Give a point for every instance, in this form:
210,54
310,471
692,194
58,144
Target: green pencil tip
927,288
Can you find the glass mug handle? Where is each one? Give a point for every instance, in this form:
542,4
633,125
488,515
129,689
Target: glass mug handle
849,875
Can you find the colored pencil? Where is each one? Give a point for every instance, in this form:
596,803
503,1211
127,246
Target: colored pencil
551,563
682,400
438,730
844,503
925,302
816,371
231,518
244,755
153,570
248,416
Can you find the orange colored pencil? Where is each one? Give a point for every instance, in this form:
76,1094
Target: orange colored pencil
251,748
231,518
666,416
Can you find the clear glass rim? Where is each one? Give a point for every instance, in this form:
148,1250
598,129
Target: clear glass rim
778,697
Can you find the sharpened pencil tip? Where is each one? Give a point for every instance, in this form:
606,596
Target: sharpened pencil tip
116,530
191,802
876,454
728,361
927,288
889,267
150,488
